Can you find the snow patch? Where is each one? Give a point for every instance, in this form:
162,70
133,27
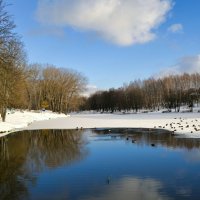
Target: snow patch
16,120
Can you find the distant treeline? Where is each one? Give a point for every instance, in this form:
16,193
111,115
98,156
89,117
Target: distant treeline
33,86
170,92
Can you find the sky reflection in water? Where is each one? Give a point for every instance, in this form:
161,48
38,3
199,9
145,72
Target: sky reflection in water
98,164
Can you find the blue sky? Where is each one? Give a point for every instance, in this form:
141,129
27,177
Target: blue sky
109,41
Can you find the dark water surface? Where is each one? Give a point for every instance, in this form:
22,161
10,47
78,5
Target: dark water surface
98,165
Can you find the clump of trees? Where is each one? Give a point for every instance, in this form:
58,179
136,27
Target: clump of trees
12,60
33,86
170,92
57,89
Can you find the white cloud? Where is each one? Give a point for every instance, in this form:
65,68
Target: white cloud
90,89
123,22
187,64
176,28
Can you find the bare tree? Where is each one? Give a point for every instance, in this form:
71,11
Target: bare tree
11,73
169,92
56,88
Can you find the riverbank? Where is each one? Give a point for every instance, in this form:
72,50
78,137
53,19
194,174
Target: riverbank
17,120
185,124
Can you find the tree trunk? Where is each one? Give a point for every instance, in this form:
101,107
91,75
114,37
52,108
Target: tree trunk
3,113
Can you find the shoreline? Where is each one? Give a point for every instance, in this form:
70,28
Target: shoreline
183,124
18,120
178,123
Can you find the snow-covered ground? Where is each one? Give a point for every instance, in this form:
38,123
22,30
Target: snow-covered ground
16,120
186,124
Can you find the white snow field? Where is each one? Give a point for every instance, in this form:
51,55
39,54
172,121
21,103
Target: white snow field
16,120
185,124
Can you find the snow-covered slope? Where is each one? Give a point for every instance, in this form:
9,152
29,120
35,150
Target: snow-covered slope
187,124
20,119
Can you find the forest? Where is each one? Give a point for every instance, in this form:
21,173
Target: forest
170,92
33,86
45,86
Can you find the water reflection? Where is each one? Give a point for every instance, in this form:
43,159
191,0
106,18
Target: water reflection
55,148
99,164
151,137
132,188
24,154
11,164
193,155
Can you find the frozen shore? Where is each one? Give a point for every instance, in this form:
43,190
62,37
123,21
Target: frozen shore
186,124
17,120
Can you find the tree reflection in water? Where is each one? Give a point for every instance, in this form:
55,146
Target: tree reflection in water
23,154
55,148
153,136
27,157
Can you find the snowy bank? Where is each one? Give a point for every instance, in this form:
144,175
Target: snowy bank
16,120
185,124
